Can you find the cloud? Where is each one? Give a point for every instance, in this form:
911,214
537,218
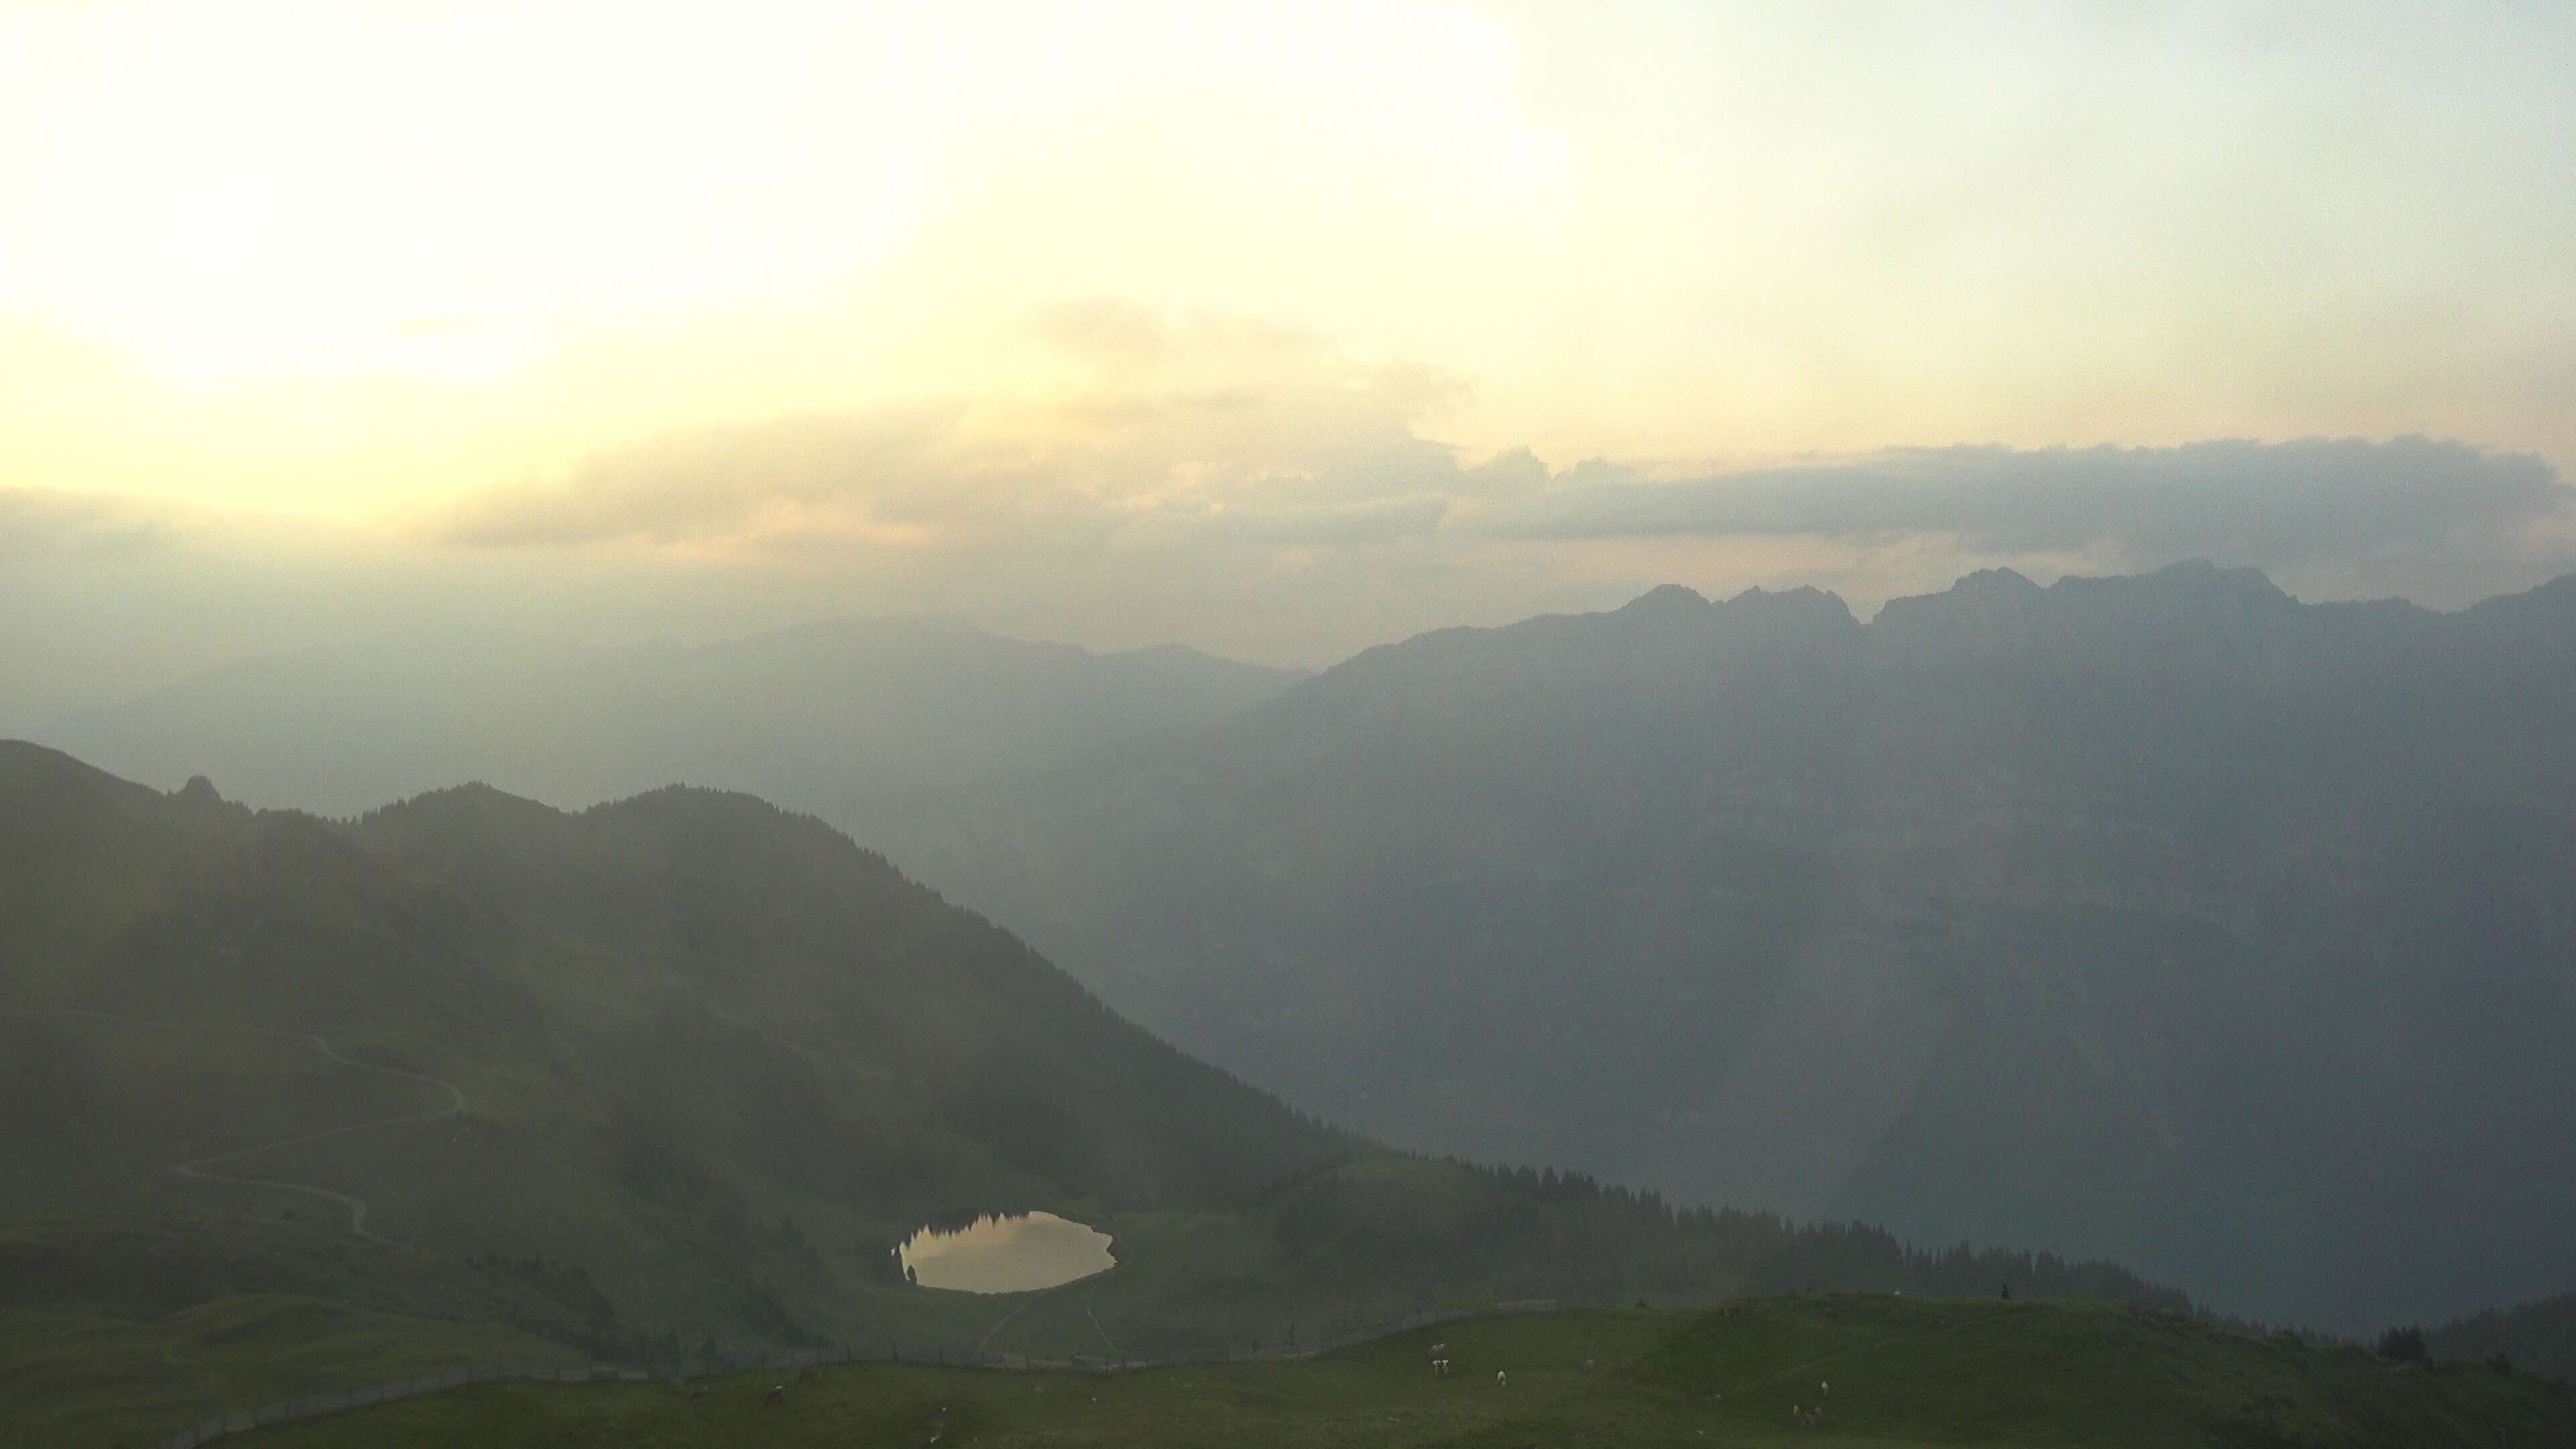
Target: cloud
1135,432
1340,525
720,481
1292,512
1197,468
1217,430
2276,505
40,525
1232,484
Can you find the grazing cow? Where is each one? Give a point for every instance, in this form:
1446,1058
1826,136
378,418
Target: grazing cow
1502,1380
777,1395
1440,1365
1439,1350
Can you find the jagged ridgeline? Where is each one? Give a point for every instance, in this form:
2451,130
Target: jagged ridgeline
715,1061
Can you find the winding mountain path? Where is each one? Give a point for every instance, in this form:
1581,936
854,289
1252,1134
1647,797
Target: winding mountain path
196,1168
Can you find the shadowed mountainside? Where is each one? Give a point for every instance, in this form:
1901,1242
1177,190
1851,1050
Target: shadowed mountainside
715,1054
715,1060
2160,917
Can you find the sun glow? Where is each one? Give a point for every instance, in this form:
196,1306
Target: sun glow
365,258
231,190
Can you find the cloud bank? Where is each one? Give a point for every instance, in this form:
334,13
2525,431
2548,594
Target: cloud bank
2274,505
1213,453
1210,431
1243,488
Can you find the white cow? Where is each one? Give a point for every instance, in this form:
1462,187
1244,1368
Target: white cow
1502,1380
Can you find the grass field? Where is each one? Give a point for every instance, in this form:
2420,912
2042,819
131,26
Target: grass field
1900,1372
94,1377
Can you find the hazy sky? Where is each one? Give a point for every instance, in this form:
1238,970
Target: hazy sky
1274,329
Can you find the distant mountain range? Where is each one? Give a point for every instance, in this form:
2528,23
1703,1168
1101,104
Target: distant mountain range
825,715
2161,917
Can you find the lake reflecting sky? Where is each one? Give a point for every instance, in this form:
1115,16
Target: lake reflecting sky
1008,1254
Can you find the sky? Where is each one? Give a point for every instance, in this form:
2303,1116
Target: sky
1275,330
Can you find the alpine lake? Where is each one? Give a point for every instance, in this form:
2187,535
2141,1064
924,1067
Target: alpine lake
1014,1253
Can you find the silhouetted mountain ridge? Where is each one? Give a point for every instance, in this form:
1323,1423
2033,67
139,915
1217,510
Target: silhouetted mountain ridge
824,713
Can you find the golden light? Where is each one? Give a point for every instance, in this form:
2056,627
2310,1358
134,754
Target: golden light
241,189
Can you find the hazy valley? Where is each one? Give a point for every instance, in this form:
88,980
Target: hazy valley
2162,918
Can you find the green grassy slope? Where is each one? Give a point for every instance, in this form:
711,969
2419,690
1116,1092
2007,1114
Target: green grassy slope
90,1376
127,1329
1930,1372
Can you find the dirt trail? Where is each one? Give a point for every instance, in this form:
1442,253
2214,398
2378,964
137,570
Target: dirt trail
1096,1328
195,1168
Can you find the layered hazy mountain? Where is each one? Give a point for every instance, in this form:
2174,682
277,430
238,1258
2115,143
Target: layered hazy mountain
823,715
2163,917
688,1065
714,1055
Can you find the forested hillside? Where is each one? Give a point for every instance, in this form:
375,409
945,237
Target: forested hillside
2528,1338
